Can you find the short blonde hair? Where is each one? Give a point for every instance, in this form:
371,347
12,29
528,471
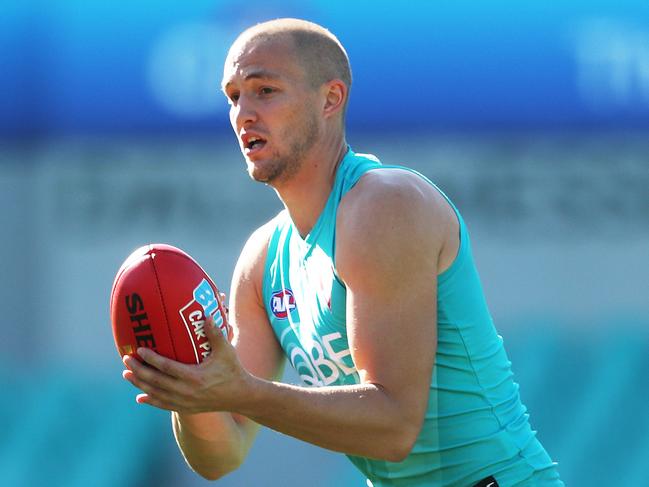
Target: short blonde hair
320,53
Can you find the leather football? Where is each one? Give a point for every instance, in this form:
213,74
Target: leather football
160,299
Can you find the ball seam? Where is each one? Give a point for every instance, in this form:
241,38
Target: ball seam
164,305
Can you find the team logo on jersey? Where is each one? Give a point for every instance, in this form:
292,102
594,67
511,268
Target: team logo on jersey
282,303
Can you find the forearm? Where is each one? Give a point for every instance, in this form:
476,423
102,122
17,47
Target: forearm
362,420
213,444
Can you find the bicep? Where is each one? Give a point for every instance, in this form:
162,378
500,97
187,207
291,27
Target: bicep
254,340
393,334
257,348
387,255
256,345
392,331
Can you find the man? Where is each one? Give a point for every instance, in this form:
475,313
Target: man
365,283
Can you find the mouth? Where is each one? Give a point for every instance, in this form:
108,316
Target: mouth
252,144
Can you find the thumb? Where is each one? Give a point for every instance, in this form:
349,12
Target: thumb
215,335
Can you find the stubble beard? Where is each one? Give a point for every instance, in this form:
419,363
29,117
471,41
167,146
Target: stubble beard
282,167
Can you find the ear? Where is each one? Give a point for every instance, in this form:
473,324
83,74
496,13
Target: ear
335,94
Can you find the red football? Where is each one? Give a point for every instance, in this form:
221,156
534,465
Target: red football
160,299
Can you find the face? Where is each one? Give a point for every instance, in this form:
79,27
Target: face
272,108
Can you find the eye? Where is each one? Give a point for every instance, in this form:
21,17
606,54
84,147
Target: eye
233,97
266,90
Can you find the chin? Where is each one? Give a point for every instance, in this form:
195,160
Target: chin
257,174
264,171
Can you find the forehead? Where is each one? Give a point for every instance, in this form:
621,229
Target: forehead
261,58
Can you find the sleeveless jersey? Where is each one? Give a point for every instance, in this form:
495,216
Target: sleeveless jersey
475,425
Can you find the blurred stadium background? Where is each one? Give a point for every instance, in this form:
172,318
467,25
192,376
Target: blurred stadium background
533,116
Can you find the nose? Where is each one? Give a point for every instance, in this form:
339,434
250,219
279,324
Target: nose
243,113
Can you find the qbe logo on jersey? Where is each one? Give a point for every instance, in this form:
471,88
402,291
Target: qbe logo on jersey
204,304
282,303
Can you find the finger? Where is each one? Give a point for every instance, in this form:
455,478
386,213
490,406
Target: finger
143,385
215,338
155,402
163,399
137,366
128,361
214,333
167,406
163,364
133,379
142,373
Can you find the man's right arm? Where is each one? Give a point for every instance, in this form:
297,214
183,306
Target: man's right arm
216,443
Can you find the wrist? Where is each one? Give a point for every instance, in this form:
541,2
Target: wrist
251,396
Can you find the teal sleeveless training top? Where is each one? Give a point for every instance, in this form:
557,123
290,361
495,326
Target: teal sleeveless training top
475,425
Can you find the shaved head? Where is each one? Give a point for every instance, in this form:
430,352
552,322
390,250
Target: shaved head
318,51
287,82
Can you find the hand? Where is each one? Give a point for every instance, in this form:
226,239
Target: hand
217,384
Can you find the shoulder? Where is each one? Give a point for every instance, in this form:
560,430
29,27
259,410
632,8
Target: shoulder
257,243
252,260
393,212
395,193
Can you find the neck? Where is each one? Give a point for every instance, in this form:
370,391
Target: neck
307,191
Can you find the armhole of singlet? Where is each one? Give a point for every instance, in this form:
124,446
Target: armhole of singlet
462,230
271,254
463,234
370,164
461,249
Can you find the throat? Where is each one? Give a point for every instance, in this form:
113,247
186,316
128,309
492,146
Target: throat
307,195
305,213
304,226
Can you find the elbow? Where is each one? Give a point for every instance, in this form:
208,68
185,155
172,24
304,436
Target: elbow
401,433
397,456
214,472
211,474
401,444
216,466
399,451
209,458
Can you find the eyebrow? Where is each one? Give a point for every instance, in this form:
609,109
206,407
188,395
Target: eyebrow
258,74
